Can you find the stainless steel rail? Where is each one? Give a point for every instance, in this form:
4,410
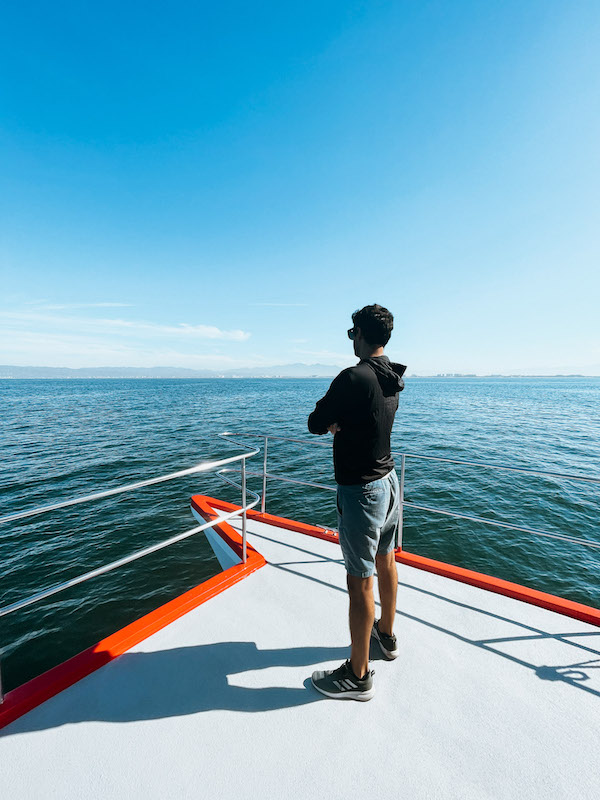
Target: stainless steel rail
41,595
198,468
546,473
404,504
203,467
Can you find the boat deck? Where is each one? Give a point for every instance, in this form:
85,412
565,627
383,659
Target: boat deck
490,698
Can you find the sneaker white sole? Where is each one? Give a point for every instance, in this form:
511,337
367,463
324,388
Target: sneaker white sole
389,654
349,695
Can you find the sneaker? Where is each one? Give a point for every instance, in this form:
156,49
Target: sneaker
342,683
388,644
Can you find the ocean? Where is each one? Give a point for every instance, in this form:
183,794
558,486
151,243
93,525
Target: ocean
65,438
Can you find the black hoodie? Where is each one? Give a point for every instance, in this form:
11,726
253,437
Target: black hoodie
363,401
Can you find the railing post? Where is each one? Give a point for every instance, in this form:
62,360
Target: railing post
263,500
244,511
401,509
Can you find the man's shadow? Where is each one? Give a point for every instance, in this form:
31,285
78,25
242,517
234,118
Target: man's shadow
184,680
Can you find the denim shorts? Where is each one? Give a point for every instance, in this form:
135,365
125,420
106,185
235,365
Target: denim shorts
368,519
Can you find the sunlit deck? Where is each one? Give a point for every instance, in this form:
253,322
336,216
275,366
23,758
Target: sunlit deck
490,698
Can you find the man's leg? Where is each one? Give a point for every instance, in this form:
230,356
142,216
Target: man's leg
387,576
362,616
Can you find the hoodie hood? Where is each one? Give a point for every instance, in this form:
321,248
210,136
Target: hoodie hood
388,374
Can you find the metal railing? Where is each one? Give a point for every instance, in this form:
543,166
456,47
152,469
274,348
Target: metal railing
198,468
404,504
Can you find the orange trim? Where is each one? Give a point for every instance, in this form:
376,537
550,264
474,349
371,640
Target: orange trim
549,601
270,519
205,507
31,694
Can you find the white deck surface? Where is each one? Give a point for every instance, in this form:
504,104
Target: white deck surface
490,698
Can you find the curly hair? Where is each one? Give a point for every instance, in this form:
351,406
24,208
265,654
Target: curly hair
376,324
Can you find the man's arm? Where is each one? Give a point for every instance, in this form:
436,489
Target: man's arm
330,408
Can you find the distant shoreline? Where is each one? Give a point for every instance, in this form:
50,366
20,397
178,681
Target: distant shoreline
272,372
272,377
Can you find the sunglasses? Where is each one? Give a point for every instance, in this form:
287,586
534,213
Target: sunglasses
351,334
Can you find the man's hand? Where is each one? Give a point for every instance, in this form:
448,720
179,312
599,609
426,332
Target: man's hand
334,428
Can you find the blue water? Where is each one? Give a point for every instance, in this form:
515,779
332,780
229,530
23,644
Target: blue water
66,438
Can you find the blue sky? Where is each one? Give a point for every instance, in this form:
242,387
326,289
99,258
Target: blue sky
221,185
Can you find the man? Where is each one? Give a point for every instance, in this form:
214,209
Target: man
359,411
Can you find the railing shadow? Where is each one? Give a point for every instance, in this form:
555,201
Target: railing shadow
571,674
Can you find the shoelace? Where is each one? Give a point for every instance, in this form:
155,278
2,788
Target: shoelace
347,669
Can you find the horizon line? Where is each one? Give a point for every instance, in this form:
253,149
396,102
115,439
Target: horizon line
260,370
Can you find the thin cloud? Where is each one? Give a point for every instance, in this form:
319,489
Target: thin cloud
28,348
181,329
133,327
62,306
326,355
